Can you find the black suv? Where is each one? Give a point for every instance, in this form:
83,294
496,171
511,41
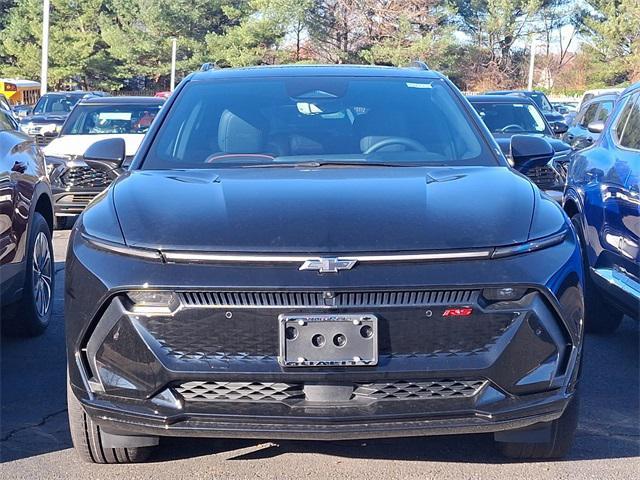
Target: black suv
26,222
506,116
322,252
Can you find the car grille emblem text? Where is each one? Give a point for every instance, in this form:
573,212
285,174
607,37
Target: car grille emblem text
328,264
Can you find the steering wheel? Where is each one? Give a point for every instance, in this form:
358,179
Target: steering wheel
407,142
513,126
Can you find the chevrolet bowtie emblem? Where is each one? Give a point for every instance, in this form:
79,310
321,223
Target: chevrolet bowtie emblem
328,264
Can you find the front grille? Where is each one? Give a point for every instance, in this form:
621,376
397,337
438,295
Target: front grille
85,177
544,177
44,140
240,391
319,299
410,324
419,390
283,392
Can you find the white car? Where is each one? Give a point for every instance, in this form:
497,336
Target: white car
74,181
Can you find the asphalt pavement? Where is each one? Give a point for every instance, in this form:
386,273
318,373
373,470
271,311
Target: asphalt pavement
35,441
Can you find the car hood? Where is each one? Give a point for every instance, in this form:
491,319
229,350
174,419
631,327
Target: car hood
552,116
504,141
324,210
76,145
57,118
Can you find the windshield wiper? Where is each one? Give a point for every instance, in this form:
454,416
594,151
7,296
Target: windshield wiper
325,163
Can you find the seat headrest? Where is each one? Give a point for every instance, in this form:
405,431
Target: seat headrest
240,133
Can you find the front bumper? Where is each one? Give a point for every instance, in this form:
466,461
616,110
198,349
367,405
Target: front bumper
210,368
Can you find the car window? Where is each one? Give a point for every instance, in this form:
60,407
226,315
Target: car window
589,115
298,119
110,119
628,127
6,122
511,117
542,102
4,103
604,112
56,103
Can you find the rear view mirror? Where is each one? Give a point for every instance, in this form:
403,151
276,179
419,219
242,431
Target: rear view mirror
111,150
559,128
529,152
596,127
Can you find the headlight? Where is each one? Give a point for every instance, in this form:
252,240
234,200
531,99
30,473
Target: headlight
53,162
531,246
153,301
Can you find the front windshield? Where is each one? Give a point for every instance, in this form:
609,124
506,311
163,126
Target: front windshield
511,118
56,103
110,119
280,121
541,101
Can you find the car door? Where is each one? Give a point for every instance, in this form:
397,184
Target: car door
622,215
18,175
578,136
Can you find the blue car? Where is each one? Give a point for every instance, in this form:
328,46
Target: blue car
603,200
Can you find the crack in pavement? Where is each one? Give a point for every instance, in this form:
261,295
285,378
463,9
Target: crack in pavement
44,420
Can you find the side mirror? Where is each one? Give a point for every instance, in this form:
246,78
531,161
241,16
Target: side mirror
111,150
559,128
529,152
596,127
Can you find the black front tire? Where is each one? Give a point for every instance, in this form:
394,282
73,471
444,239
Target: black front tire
600,316
562,432
87,440
23,317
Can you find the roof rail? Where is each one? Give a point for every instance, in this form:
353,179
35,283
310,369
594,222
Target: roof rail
418,64
209,66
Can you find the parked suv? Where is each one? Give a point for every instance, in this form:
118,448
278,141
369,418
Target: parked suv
26,221
597,109
322,252
603,201
506,116
76,180
45,120
555,119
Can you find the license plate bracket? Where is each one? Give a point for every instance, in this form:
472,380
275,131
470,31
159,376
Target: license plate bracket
327,340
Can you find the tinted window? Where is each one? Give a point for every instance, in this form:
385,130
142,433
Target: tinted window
604,112
541,101
629,135
56,103
511,117
314,119
6,123
589,115
110,119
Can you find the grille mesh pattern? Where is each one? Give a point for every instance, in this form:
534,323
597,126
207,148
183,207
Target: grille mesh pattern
44,140
543,177
419,389
316,299
85,177
208,335
240,391
283,392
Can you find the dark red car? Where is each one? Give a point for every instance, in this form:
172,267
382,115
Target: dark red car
26,223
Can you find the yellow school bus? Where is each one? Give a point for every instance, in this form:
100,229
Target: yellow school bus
20,92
